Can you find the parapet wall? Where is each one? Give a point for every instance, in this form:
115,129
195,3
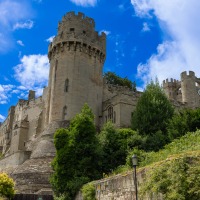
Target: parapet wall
120,187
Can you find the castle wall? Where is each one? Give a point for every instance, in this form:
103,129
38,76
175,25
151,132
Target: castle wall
118,105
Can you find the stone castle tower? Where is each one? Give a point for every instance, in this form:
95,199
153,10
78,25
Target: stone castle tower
186,92
76,56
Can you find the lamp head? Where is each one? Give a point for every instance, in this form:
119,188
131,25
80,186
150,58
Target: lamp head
134,160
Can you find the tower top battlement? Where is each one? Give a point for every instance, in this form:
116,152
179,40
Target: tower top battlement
77,31
71,16
185,75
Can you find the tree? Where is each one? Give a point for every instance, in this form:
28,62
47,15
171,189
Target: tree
115,145
152,113
77,159
114,79
6,186
184,121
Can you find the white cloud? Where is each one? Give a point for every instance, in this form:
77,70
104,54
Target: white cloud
105,31
178,20
23,25
145,27
84,3
33,71
11,12
2,118
5,93
20,43
50,39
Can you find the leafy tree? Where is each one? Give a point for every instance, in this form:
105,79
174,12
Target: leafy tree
77,157
115,145
184,121
6,186
114,79
152,113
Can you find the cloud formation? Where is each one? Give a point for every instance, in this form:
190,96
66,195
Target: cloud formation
84,3
32,72
5,91
178,21
2,118
11,13
20,43
50,39
23,25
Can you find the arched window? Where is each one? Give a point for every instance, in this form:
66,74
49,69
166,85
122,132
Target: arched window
64,117
66,85
111,115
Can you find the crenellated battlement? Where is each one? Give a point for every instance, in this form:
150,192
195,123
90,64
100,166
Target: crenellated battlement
185,75
77,32
80,16
172,83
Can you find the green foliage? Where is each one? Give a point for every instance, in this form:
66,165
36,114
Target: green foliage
77,155
184,121
115,145
6,186
151,116
187,143
114,79
175,179
88,191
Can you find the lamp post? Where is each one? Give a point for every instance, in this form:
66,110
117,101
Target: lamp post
135,163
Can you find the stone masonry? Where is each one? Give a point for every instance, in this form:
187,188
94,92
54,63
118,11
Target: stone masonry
76,55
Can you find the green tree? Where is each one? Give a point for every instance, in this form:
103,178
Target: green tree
6,186
184,121
115,145
77,159
114,79
151,116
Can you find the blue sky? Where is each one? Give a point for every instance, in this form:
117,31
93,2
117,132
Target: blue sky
145,38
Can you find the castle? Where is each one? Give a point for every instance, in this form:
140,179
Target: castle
76,57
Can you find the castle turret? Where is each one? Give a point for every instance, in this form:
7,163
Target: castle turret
189,92
171,88
76,56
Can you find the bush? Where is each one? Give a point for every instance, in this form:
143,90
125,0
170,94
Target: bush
175,178
88,191
6,186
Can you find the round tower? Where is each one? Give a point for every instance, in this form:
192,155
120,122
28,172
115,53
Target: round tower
188,88
76,56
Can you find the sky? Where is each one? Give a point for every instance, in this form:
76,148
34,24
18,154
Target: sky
145,39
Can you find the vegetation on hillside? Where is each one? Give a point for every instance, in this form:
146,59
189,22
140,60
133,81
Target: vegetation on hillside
112,78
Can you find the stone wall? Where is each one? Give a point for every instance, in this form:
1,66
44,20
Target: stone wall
120,187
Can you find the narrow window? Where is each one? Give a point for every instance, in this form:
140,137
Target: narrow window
114,120
84,32
64,113
110,113
71,29
56,69
66,85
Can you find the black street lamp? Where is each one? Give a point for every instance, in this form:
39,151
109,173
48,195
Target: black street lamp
135,163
